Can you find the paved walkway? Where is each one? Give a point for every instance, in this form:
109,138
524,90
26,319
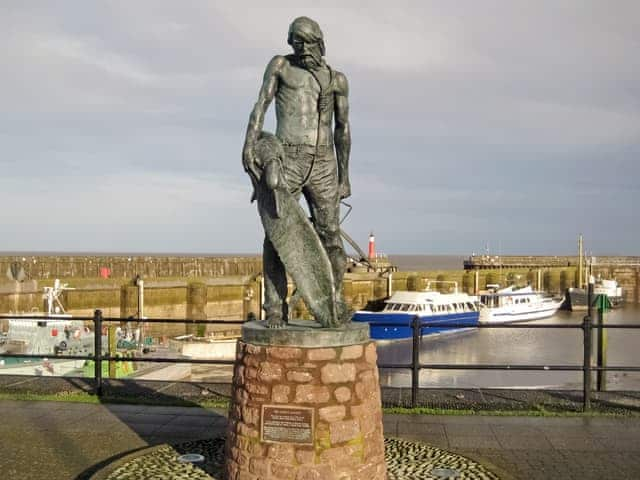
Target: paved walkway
58,440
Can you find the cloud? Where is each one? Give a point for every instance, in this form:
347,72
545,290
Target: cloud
128,212
517,120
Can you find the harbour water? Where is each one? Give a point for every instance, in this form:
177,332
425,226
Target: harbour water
512,346
517,346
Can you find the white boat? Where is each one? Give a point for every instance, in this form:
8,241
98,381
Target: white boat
55,334
611,289
454,311
512,304
577,297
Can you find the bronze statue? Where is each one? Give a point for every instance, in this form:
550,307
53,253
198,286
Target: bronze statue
312,117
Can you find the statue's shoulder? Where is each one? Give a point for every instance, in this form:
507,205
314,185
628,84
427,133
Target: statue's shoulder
277,64
340,82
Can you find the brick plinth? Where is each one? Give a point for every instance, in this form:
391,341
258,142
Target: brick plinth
339,385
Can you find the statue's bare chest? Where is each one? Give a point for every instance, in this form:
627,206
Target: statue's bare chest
300,84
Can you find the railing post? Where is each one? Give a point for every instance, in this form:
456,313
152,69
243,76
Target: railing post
601,355
112,341
97,350
586,366
415,362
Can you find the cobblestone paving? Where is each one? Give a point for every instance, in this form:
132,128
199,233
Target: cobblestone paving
412,460
162,462
405,461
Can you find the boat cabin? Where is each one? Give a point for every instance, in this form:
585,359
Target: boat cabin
508,296
430,303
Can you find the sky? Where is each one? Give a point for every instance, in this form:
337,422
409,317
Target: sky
509,125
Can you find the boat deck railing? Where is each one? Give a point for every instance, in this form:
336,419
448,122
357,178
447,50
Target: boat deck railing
588,326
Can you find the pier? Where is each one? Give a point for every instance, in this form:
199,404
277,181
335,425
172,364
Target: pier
545,261
561,271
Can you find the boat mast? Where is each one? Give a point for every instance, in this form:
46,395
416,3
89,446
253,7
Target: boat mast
500,261
580,260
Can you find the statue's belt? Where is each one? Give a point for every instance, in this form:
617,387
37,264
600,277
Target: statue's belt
320,150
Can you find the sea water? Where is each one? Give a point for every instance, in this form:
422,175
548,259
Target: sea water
518,346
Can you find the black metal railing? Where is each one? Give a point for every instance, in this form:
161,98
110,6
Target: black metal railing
98,356
587,326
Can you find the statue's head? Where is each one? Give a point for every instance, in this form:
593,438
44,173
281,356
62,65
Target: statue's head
307,41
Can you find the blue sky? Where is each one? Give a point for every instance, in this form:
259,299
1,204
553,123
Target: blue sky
511,123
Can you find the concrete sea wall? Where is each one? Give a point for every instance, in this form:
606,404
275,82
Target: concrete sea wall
42,267
214,290
537,261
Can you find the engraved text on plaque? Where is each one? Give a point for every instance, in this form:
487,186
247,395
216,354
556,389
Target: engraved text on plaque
286,424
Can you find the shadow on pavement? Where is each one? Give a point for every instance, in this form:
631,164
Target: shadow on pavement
72,437
167,417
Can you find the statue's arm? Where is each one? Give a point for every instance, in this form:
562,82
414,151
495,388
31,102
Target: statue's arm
342,134
256,120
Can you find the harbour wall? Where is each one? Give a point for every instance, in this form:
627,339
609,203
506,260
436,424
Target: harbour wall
43,267
541,261
237,297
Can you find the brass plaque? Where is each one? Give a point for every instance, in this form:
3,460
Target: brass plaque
283,424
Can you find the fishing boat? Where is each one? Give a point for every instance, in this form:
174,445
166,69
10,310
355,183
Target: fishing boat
513,304
438,313
52,333
576,298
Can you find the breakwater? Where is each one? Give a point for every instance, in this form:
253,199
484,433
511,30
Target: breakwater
624,269
542,261
43,267
211,287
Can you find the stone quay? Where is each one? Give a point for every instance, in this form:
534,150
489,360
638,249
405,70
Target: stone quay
305,405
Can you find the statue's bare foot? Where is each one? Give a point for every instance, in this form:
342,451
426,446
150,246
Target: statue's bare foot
276,322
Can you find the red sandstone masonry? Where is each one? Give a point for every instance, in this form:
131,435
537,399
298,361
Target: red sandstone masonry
312,394
299,376
270,372
370,354
351,352
319,354
340,385
284,353
283,471
281,453
332,414
280,393
343,372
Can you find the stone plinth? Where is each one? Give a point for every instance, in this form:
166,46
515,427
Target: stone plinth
305,406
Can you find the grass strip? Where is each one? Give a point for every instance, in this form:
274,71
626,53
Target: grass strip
539,411
85,397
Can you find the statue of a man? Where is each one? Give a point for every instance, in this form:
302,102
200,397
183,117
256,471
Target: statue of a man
307,93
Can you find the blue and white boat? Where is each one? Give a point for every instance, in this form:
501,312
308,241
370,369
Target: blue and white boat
458,311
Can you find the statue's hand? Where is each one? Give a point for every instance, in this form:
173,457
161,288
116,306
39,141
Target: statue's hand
249,163
344,188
